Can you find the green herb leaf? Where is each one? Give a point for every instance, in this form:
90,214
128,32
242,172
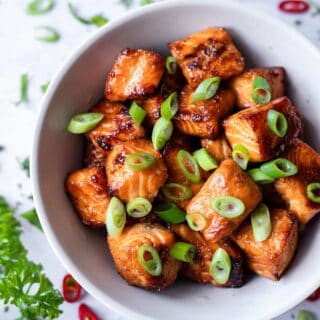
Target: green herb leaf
145,2
38,7
23,89
25,166
47,34
44,87
32,217
23,282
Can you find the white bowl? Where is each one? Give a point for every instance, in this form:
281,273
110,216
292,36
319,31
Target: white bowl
264,41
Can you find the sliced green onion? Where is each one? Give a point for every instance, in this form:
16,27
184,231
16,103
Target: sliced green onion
137,113
305,315
196,221
84,122
188,166
170,213
206,89
313,192
161,133
260,177
140,161
152,265
240,155
176,191
220,266
204,160
261,90
44,87
183,251
139,207
227,206
115,217
47,34
279,168
277,123
23,89
38,7
145,2
99,20
169,107
171,65
261,223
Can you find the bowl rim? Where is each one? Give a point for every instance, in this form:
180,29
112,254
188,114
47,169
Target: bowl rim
55,244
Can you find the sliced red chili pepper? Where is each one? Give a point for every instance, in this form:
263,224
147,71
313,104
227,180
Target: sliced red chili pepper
314,296
71,289
85,313
293,6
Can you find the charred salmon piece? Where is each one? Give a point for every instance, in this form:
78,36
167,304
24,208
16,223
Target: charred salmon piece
271,257
202,119
227,180
171,83
124,252
243,84
128,184
87,189
94,156
249,127
294,189
207,53
116,126
135,74
152,106
217,148
199,270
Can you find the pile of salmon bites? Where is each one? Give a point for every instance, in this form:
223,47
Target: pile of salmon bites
195,166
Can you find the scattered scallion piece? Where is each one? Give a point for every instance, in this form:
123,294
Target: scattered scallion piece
23,89
205,160
115,217
240,155
176,192
137,113
153,266
171,65
206,89
140,161
169,107
161,133
261,223
277,123
44,87
188,166
260,177
139,207
313,192
261,90
47,34
25,166
145,2
183,251
305,315
169,212
279,168
38,7
227,206
84,122
32,217
220,266
196,221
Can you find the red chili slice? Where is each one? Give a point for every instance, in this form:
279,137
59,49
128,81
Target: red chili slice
314,296
71,289
293,6
85,313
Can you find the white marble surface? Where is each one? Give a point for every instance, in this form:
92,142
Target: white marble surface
21,53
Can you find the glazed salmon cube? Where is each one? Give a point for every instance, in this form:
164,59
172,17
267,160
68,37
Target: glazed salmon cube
128,184
227,180
199,270
271,257
218,148
94,156
206,54
294,189
152,106
243,84
202,119
124,252
250,128
87,189
171,83
135,74
116,126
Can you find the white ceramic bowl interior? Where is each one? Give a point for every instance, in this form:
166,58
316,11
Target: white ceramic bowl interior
80,83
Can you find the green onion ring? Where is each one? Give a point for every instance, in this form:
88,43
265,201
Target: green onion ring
279,168
170,213
277,123
227,206
204,160
189,166
24,81
240,155
38,7
137,113
169,107
206,89
196,221
183,251
47,34
161,133
84,122
313,192
220,266
171,65
261,90
139,207
176,191
153,266
115,217
260,177
261,223
140,161
305,315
